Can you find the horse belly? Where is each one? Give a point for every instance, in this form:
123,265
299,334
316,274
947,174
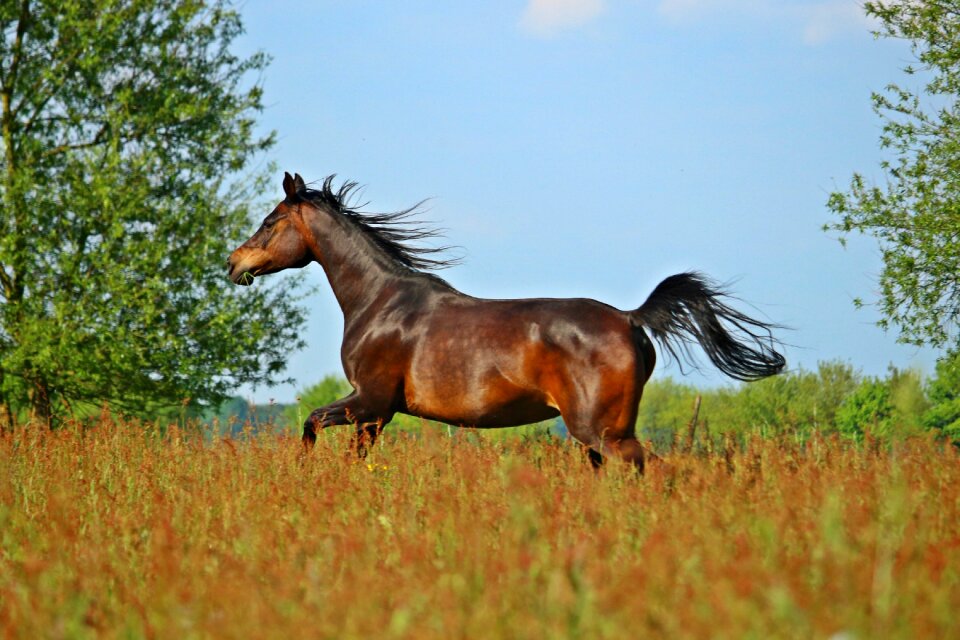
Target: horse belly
463,412
513,414
476,394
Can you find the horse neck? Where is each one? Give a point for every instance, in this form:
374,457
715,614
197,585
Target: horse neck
356,269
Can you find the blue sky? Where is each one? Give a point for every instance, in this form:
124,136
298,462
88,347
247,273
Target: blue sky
593,147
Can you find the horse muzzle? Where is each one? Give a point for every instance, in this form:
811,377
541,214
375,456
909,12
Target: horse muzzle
238,272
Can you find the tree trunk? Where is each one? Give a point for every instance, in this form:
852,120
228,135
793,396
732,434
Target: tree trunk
6,414
41,407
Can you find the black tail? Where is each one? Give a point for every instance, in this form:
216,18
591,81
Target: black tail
688,308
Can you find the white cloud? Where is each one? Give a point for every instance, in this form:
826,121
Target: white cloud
549,17
693,10
828,19
816,22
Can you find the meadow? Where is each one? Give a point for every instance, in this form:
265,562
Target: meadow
123,530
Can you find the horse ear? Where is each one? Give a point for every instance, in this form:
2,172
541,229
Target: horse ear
298,183
289,187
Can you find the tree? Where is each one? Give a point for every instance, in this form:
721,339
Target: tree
128,132
915,214
868,409
944,395
888,407
794,403
798,402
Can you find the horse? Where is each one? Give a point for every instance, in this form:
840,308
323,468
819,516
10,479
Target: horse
414,344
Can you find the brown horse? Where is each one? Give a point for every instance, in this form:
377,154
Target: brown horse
413,344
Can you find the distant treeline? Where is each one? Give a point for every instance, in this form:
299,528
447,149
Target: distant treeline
833,399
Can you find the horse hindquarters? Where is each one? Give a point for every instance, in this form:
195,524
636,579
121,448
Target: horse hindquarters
599,390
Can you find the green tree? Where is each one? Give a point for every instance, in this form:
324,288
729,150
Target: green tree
797,402
128,136
909,400
944,394
893,406
868,408
915,212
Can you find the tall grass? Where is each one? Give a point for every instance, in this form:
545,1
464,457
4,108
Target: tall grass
117,531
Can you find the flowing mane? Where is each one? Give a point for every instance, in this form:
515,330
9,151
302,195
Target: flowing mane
395,233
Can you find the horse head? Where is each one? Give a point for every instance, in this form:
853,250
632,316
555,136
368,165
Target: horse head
279,243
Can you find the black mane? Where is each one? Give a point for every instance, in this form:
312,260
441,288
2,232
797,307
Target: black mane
392,232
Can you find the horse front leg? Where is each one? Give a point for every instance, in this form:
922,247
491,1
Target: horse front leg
329,415
354,409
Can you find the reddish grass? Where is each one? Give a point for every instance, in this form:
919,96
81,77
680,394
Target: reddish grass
117,532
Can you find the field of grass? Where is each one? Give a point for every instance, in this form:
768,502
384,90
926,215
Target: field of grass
120,532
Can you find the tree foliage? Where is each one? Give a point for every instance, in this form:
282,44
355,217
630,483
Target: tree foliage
834,399
884,407
797,402
128,132
944,394
915,212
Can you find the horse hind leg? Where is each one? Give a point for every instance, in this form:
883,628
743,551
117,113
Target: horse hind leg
627,449
595,458
606,426
621,444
